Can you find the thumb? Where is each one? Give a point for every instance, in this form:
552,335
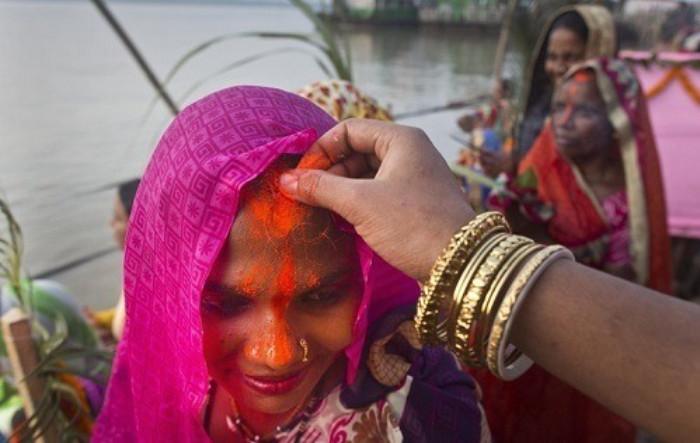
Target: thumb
320,188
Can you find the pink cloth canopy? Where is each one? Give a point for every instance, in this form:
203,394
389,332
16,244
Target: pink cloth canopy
675,117
184,210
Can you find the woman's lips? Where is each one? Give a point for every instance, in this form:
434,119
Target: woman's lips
564,140
274,385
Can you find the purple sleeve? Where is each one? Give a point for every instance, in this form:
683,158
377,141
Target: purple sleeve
442,403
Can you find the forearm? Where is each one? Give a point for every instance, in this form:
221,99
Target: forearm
579,323
634,350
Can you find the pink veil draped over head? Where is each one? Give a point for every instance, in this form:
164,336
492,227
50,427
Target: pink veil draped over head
184,210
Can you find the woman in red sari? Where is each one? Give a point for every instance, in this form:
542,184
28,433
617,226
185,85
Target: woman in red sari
591,182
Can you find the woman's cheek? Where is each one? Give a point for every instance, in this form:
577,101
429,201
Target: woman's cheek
333,330
219,338
596,135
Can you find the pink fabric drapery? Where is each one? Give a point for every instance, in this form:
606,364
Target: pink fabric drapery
182,215
675,118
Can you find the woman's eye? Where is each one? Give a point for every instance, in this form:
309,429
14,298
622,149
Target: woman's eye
321,298
224,306
558,108
588,111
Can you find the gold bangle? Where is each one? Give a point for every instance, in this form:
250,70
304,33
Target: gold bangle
480,252
481,287
496,327
443,326
467,326
460,292
446,269
494,296
517,363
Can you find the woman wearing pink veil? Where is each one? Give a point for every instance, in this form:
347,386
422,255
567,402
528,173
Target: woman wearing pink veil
253,318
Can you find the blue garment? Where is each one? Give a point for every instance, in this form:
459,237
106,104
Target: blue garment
492,143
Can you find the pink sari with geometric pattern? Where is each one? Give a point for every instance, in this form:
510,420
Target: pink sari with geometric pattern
184,210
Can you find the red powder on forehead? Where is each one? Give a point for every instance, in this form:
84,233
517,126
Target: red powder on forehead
583,76
572,88
274,214
285,277
248,283
315,160
285,290
275,217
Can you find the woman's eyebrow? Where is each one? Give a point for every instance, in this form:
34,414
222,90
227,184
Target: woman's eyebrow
223,289
330,279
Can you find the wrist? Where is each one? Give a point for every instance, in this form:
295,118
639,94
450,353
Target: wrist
441,237
476,290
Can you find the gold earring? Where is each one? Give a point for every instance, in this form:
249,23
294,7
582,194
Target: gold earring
305,347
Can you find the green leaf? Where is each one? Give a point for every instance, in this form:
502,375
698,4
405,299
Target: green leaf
58,338
303,38
32,424
348,62
325,32
47,419
66,392
246,60
200,48
57,360
182,61
527,180
332,51
323,67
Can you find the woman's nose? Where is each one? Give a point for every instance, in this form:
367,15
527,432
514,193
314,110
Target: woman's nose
274,346
566,117
561,69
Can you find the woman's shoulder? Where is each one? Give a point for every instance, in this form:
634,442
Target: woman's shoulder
426,387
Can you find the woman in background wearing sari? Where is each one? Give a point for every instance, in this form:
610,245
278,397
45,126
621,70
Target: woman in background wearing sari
591,182
573,34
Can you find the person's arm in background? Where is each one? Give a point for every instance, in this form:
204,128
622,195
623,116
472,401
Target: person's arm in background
119,318
634,350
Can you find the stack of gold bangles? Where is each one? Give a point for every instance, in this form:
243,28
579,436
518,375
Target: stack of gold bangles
475,289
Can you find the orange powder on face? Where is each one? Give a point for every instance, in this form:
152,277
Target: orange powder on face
315,160
583,76
571,90
275,214
283,348
248,283
274,218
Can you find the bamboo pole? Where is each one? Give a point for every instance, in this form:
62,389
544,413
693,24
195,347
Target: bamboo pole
447,107
136,54
503,41
17,335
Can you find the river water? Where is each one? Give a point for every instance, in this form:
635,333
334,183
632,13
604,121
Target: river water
73,110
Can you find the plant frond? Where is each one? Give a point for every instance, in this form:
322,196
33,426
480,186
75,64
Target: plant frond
247,60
